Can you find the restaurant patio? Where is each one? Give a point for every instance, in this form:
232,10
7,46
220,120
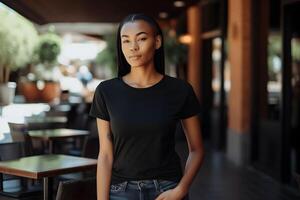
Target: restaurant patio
240,56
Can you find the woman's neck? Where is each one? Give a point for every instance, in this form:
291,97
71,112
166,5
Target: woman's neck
142,76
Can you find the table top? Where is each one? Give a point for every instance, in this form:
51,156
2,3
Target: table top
5,138
46,119
46,165
46,122
57,133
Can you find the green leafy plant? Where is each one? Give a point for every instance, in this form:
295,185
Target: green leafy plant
175,52
18,39
108,57
49,48
46,54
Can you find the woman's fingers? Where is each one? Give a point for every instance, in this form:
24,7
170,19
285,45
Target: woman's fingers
160,197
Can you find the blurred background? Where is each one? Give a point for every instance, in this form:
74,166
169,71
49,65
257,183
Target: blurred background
242,58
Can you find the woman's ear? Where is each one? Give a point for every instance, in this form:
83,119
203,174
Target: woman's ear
157,42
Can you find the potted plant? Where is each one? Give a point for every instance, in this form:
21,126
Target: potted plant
107,58
175,52
42,84
18,39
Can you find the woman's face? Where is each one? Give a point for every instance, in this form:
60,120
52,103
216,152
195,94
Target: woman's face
139,43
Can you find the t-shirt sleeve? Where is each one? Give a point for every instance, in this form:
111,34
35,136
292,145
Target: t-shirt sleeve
99,108
191,104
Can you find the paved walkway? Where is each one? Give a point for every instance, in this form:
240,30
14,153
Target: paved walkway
219,179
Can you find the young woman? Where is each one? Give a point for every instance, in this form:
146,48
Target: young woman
137,113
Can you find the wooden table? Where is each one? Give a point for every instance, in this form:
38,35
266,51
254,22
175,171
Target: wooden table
46,167
50,135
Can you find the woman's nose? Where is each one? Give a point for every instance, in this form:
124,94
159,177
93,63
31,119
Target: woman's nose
134,46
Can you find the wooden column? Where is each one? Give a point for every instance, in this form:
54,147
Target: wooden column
240,45
248,22
193,69
240,64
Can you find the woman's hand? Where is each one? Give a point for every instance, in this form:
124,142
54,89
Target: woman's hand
172,194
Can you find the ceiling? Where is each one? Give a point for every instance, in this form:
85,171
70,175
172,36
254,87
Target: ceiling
92,29
95,11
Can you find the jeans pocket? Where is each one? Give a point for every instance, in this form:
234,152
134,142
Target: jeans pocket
165,185
119,187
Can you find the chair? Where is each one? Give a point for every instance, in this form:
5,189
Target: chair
77,118
91,148
12,186
19,133
77,190
91,145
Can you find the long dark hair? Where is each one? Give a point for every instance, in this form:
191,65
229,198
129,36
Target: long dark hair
159,58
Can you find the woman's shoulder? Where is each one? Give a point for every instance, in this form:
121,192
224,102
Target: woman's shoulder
107,83
178,82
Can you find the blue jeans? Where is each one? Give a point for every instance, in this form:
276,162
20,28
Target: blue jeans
140,190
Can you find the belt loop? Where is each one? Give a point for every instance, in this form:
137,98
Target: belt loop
126,185
157,187
138,184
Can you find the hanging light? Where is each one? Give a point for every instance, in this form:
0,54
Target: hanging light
179,4
185,39
163,15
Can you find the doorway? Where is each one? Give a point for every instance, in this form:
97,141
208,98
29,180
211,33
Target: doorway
215,72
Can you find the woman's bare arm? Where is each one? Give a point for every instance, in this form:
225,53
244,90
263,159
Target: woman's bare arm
105,159
191,127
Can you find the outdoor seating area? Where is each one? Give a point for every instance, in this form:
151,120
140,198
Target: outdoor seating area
38,149
62,62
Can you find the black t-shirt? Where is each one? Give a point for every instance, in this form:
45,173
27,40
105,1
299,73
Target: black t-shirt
143,123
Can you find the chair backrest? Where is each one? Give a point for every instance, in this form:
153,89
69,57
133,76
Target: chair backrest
78,117
91,147
77,190
19,133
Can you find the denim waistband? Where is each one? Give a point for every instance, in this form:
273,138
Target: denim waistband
148,181
144,183
140,186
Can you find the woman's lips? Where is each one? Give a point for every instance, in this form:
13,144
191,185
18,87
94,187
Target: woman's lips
136,57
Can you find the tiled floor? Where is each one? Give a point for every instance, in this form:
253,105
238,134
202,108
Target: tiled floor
219,179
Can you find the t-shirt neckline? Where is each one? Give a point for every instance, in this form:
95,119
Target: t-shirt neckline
144,88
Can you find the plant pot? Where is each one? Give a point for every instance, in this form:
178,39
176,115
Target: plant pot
7,93
50,92
30,91
40,91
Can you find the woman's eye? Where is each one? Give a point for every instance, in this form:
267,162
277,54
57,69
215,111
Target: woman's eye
125,41
142,39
